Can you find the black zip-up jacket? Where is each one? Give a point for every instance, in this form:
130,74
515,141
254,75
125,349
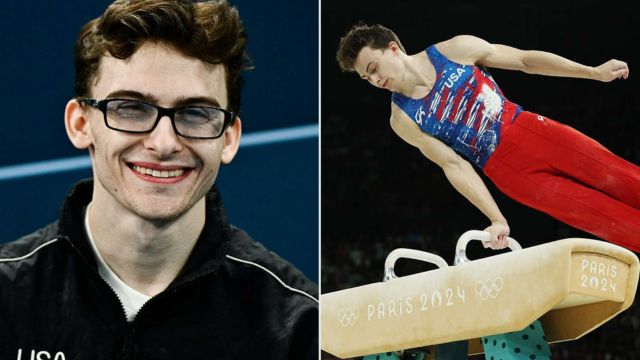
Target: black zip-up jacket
233,300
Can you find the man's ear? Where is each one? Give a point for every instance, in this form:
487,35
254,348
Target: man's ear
231,141
77,125
393,46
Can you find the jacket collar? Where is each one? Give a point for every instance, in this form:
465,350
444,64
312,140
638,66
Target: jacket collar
206,255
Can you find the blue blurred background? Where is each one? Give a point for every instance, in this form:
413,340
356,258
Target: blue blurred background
271,188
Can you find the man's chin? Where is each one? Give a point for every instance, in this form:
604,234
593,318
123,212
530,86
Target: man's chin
161,214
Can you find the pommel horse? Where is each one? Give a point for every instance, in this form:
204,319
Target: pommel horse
572,286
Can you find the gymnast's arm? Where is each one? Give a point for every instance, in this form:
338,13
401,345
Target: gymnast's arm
473,50
458,171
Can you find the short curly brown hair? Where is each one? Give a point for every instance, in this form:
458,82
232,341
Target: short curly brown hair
360,36
210,31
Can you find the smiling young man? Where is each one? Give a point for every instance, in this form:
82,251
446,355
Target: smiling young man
142,263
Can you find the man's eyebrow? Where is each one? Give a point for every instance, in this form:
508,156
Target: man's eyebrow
197,100
136,95
181,101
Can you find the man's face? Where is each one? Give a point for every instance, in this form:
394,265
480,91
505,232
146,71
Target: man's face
185,169
381,67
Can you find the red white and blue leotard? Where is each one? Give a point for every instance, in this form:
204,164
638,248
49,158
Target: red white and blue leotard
534,160
465,109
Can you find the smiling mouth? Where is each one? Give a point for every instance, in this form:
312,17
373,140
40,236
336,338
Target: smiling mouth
160,174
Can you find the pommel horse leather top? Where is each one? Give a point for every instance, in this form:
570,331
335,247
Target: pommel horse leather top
571,285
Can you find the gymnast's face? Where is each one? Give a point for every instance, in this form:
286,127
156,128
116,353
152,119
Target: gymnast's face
383,68
158,175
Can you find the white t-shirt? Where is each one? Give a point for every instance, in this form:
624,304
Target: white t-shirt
131,299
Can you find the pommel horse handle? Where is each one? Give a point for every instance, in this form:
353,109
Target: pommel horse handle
396,254
485,237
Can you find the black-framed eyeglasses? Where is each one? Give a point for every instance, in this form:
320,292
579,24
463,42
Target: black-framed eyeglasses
138,117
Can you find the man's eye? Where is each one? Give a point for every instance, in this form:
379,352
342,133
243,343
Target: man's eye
129,109
195,112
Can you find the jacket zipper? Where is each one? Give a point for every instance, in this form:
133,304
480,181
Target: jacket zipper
123,312
125,353
180,285
130,326
176,288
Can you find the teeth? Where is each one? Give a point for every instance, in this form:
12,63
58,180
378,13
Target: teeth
158,173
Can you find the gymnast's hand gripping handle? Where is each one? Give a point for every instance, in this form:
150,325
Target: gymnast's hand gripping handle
396,254
484,236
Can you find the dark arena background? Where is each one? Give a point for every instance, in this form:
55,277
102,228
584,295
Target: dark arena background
379,193
270,189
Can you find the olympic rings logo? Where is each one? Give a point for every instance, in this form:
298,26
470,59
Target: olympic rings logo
348,316
489,288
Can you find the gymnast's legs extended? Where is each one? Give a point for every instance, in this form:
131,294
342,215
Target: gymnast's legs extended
556,169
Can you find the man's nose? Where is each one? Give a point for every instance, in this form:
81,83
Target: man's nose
163,139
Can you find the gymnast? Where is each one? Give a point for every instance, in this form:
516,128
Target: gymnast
447,105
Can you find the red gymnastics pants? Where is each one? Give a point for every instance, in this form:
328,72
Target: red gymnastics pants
556,169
